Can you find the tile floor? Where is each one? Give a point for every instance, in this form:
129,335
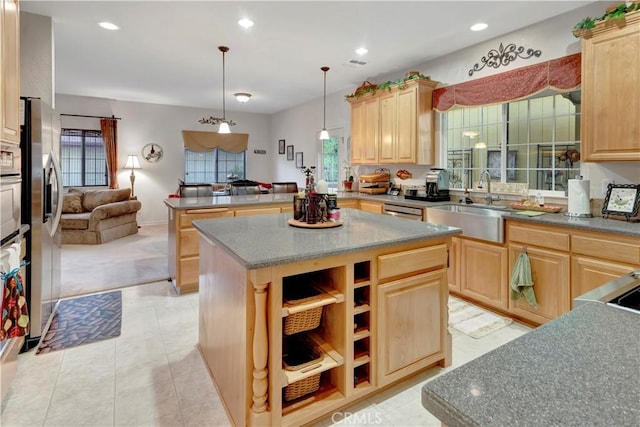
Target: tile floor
152,375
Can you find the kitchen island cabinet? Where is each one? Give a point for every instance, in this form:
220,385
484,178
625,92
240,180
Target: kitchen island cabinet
382,291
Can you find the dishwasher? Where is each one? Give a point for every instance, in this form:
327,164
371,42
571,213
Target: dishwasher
407,212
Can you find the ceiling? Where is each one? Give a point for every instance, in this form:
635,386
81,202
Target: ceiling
166,52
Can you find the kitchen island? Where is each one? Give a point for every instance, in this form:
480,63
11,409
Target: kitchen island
378,282
578,370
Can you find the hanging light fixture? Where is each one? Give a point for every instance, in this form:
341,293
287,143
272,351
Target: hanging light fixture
324,134
223,122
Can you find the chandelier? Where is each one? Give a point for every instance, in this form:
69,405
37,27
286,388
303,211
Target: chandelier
222,121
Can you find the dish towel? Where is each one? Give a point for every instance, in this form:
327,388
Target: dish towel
13,304
521,283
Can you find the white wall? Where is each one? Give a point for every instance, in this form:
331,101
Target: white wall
142,124
553,37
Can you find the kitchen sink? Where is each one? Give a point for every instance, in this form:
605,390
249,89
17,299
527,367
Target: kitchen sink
484,222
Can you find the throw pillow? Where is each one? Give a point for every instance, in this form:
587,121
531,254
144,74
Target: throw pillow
72,203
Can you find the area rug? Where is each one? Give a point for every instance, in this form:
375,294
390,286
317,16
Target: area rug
131,260
83,320
472,320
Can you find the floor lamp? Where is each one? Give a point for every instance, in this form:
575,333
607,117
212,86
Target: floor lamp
132,163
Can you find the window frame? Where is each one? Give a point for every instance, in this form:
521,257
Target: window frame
215,170
84,135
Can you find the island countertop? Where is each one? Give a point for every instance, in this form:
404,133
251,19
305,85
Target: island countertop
267,240
580,369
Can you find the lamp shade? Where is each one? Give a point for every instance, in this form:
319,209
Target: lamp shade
224,128
132,162
324,134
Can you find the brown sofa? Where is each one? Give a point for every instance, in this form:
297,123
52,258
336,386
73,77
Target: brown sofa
92,217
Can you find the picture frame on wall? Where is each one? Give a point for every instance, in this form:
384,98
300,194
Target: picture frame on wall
289,152
622,199
299,160
281,146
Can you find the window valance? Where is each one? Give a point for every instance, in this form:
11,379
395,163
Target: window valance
200,141
563,74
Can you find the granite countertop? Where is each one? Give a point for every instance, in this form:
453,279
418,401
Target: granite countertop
580,369
557,219
267,240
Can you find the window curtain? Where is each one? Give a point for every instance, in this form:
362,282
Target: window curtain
563,74
199,141
109,128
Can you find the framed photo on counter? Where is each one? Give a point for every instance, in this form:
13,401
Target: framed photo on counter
622,199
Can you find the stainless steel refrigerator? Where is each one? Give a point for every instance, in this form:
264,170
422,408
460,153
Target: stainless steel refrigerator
42,194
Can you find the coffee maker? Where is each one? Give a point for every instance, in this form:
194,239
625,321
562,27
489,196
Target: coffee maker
437,185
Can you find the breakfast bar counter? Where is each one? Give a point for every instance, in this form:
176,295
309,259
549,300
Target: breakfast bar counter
367,299
580,369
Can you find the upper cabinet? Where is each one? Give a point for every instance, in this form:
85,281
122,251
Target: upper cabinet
394,125
611,91
9,71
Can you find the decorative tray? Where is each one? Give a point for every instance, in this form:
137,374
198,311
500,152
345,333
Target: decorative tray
303,224
533,207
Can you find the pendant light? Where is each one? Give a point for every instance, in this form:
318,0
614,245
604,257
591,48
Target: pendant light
223,122
324,134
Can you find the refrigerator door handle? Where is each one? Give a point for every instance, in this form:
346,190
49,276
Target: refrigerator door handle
57,207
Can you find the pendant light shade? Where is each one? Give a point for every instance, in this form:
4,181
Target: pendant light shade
223,122
324,134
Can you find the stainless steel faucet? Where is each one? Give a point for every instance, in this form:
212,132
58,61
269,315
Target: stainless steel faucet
488,197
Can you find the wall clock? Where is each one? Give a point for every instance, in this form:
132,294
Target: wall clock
152,153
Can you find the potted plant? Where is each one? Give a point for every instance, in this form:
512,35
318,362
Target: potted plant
348,177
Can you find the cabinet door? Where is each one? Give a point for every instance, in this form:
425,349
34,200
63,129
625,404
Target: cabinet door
357,132
9,72
550,274
453,270
590,273
611,92
407,129
388,132
483,276
370,131
411,317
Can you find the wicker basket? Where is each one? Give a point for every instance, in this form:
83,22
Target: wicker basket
302,321
302,387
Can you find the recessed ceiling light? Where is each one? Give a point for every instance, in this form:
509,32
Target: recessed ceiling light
245,22
362,51
479,26
108,25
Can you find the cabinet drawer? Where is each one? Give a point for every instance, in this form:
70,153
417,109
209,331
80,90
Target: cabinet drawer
538,236
257,211
189,270
409,261
195,214
189,243
615,248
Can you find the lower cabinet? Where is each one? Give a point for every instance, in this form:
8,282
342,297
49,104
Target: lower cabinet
590,273
453,265
409,323
483,274
369,206
550,274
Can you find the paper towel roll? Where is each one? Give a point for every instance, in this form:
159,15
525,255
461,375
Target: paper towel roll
578,203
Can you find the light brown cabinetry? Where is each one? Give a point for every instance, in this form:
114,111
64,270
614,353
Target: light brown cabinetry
483,276
394,125
548,252
453,270
9,71
384,319
611,91
598,258
364,131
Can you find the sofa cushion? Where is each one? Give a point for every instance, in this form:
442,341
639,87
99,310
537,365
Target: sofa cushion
75,221
72,203
93,199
